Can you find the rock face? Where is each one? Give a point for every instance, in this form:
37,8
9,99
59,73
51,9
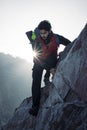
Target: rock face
71,74
64,103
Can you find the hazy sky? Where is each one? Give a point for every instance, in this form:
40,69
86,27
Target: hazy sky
68,17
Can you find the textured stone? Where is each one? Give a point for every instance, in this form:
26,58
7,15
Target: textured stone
71,72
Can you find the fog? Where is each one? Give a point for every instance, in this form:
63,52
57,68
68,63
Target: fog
15,84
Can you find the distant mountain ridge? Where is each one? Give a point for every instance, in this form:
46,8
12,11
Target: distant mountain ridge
15,80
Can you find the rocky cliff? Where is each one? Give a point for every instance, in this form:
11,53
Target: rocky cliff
64,102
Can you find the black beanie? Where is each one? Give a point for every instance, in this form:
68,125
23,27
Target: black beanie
44,25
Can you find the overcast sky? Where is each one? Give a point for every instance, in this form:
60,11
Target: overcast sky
68,17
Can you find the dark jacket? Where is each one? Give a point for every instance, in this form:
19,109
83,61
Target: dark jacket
51,60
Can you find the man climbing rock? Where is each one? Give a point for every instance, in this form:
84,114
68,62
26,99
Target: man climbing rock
45,45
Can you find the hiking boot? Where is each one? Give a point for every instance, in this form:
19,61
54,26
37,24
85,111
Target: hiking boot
34,111
46,81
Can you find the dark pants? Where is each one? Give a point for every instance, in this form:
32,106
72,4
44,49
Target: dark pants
37,76
36,84
47,74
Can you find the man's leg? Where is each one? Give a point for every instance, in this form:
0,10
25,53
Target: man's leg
36,85
46,77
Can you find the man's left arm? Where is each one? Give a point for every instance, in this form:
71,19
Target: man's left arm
64,41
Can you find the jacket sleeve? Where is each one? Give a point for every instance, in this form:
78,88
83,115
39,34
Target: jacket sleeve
64,41
29,35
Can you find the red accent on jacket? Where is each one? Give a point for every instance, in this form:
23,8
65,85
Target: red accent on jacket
49,49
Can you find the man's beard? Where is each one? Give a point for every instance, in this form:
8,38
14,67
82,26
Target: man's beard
44,38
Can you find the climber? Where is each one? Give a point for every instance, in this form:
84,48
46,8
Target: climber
32,36
45,45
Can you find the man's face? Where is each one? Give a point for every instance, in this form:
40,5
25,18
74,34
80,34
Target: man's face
44,34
